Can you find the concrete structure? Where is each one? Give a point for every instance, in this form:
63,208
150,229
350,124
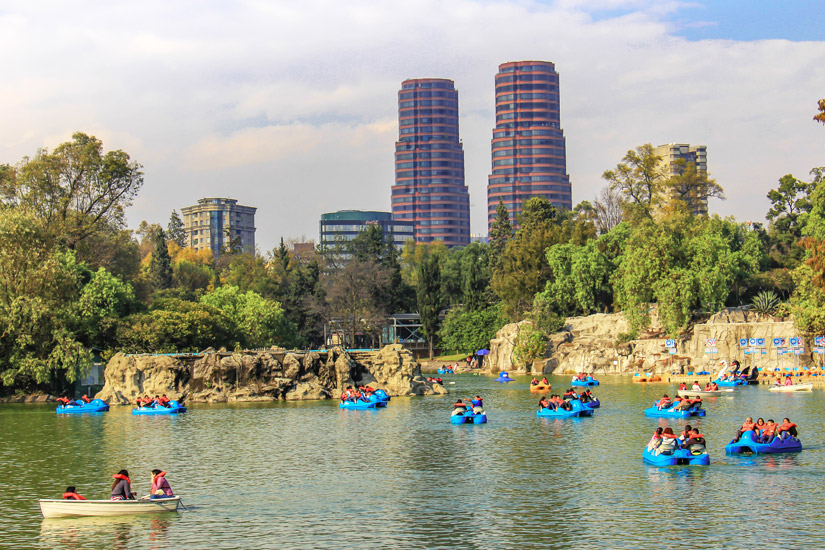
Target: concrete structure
696,155
344,225
219,223
429,190
528,146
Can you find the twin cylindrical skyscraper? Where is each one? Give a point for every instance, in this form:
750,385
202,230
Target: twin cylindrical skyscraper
528,151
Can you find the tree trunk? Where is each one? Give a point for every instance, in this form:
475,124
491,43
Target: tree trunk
430,340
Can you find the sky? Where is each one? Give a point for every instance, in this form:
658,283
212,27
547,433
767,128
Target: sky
291,107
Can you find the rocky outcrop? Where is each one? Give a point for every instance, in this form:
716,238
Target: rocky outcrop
500,357
594,344
220,376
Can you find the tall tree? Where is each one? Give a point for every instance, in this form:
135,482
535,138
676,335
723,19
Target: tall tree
429,297
75,189
501,231
691,189
351,295
160,268
174,229
639,179
608,209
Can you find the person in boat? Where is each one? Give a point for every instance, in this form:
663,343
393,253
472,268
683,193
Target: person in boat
478,404
685,435
788,380
563,403
670,442
758,428
585,396
696,386
656,440
768,431
787,429
747,425
72,494
545,404
348,394
777,382
85,398
664,403
682,386
459,407
571,394
544,381
64,401
164,401
122,486
695,442
534,381
160,487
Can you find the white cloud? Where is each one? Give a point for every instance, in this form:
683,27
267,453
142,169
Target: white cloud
291,107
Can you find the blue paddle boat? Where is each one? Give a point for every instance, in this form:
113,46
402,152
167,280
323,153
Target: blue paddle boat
359,405
77,407
589,381
468,417
503,377
748,444
678,457
730,383
671,412
381,395
577,408
173,408
445,370
595,404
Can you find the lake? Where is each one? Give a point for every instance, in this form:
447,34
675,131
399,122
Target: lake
309,475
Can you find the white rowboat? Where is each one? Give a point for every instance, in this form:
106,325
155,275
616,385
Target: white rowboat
64,508
691,393
794,387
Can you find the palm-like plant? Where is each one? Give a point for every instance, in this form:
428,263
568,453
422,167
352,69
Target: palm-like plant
765,302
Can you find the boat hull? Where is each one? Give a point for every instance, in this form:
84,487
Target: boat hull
468,417
577,409
94,406
795,387
540,388
679,457
672,412
60,508
173,408
747,444
584,383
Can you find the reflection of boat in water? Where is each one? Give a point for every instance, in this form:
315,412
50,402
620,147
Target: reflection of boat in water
63,508
80,533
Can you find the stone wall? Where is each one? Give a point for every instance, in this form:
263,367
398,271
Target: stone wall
593,344
220,376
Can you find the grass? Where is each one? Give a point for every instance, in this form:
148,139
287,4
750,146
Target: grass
455,357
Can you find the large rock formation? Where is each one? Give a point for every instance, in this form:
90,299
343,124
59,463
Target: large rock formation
262,376
595,344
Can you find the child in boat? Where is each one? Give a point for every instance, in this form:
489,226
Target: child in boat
71,494
669,442
758,428
122,487
478,404
160,487
656,440
787,429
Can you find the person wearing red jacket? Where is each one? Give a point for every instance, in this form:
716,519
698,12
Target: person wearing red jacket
71,494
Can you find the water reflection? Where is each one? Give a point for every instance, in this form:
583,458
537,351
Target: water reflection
146,531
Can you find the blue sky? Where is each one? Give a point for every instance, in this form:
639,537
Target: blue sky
292,107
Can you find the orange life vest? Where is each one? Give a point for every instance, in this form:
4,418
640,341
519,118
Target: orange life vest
73,496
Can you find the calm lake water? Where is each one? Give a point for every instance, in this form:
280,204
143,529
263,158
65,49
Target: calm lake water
308,475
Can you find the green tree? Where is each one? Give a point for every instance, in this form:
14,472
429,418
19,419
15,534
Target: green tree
530,345
260,322
467,331
75,189
351,296
160,268
102,302
429,298
175,230
501,231
790,206
192,276
639,179
690,189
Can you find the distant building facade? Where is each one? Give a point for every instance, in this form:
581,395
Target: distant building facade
219,223
344,225
529,154
429,191
697,155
